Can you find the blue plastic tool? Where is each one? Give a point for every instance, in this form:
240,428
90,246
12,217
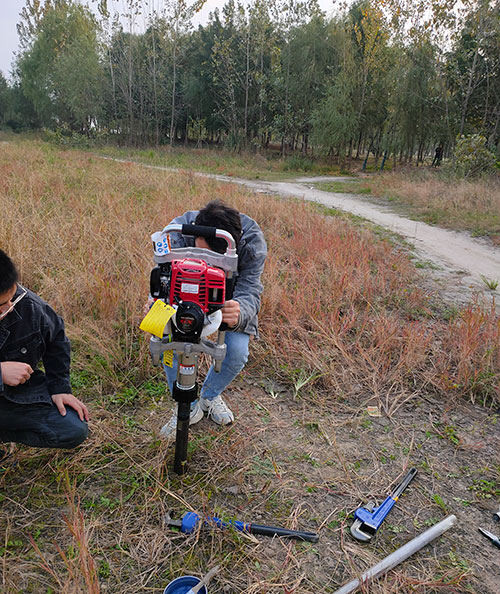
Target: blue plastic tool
184,585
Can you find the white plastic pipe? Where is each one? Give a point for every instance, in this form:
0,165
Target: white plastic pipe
400,555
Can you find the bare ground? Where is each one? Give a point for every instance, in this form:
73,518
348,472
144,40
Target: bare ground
309,465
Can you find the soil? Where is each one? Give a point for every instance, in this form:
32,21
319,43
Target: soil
316,464
342,457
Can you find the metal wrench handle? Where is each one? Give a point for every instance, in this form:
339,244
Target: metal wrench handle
404,483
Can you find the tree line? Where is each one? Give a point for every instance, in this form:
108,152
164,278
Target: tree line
391,78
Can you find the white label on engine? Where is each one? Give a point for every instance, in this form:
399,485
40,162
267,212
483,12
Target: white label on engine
187,369
188,288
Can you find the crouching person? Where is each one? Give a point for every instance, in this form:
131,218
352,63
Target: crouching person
37,407
239,313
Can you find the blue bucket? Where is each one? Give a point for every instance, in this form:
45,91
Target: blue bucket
183,584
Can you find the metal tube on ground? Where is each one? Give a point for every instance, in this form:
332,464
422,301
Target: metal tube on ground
399,555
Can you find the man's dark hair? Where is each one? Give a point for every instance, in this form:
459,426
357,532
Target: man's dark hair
8,273
220,215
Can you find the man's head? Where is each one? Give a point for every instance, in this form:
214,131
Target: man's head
8,283
8,273
219,215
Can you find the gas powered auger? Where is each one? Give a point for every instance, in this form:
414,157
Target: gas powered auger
195,283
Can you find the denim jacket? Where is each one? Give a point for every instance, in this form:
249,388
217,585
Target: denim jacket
252,252
33,333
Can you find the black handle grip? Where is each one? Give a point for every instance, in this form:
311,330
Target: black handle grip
405,482
277,531
199,231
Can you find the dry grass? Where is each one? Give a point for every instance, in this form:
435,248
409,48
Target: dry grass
343,321
456,204
216,160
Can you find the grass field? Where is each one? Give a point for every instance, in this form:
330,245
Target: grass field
345,325
431,195
218,161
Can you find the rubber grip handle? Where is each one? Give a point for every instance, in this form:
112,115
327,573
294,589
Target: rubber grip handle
277,531
199,231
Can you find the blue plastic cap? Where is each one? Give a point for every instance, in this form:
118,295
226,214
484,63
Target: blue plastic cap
189,521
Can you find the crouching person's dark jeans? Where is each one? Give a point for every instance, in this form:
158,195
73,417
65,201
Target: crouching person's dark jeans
40,425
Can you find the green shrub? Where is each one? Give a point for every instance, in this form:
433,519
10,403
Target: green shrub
298,163
472,157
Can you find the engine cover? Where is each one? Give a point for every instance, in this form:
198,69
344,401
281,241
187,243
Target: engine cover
192,280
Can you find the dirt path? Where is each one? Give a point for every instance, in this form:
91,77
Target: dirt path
459,258
458,261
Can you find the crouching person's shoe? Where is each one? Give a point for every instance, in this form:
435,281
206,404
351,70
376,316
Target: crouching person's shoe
168,430
217,410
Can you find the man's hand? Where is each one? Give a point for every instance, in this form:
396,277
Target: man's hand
15,372
63,400
231,313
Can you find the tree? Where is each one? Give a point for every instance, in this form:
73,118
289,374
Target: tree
60,71
474,67
335,120
5,99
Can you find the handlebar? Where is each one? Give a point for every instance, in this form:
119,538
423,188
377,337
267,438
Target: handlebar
202,231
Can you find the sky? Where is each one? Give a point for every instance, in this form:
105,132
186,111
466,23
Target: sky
10,9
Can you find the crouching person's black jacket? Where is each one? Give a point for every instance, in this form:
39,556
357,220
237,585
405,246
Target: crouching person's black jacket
33,333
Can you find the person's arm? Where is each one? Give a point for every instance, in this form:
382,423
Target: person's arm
177,240
56,361
56,358
248,286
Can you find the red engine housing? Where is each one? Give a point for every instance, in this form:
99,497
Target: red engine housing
192,280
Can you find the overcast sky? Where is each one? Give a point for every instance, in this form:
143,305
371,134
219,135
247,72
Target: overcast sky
10,10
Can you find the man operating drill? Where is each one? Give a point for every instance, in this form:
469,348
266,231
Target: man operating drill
239,313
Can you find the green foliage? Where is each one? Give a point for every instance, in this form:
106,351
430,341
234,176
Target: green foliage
364,81
485,489
298,163
335,121
472,157
60,73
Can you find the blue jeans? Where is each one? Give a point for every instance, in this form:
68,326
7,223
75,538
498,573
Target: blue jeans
40,425
234,361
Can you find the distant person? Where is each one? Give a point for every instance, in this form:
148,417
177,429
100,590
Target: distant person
239,313
37,407
438,156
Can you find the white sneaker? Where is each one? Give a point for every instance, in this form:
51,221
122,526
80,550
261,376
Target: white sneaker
168,430
217,410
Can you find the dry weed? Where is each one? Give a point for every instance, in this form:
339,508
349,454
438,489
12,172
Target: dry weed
473,205
342,319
